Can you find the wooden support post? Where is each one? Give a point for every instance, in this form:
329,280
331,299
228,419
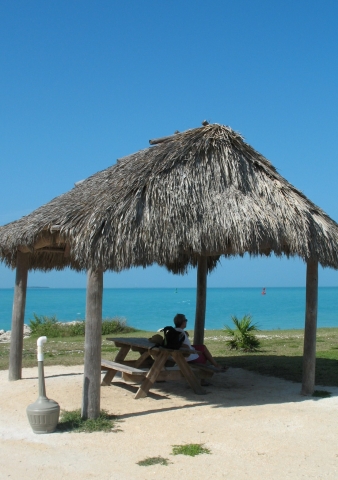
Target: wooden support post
18,315
92,354
309,354
201,300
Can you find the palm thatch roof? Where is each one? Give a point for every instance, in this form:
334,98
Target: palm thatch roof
201,192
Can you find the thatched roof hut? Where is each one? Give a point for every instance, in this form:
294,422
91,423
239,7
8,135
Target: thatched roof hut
201,192
185,201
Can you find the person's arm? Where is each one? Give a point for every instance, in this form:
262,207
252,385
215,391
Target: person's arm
186,343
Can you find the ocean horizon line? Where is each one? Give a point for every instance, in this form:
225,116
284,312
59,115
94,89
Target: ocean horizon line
167,288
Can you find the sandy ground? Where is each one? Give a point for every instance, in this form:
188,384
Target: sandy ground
256,428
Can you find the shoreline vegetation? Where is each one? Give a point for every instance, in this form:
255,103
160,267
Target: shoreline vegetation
280,353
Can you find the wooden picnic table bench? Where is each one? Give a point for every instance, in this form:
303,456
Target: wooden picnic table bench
119,367
154,370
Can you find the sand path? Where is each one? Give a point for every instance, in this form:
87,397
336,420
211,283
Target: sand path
256,428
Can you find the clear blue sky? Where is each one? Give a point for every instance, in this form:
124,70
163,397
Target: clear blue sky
84,83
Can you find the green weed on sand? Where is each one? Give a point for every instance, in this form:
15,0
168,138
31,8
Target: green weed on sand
321,394
147,462
191,449
71,421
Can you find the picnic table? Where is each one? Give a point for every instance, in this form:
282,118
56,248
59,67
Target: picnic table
150,366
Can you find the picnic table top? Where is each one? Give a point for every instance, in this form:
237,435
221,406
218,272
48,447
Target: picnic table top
140,342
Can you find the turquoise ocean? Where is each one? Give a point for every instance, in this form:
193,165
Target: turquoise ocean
153,308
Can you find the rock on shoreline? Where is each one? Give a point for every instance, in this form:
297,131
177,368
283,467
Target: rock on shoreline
5,337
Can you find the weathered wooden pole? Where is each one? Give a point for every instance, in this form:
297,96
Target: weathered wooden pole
92,353
201,300
18,315
309,353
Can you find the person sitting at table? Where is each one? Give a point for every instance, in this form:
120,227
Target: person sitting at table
203,355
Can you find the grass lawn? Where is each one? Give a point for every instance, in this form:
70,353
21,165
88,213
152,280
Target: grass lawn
280,354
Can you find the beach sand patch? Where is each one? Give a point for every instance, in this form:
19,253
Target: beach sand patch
255,427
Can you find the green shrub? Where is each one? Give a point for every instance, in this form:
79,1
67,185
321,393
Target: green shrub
74,329
115,325
43,325
52,328
242,337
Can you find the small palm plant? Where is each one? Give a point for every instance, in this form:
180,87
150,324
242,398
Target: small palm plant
242,337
